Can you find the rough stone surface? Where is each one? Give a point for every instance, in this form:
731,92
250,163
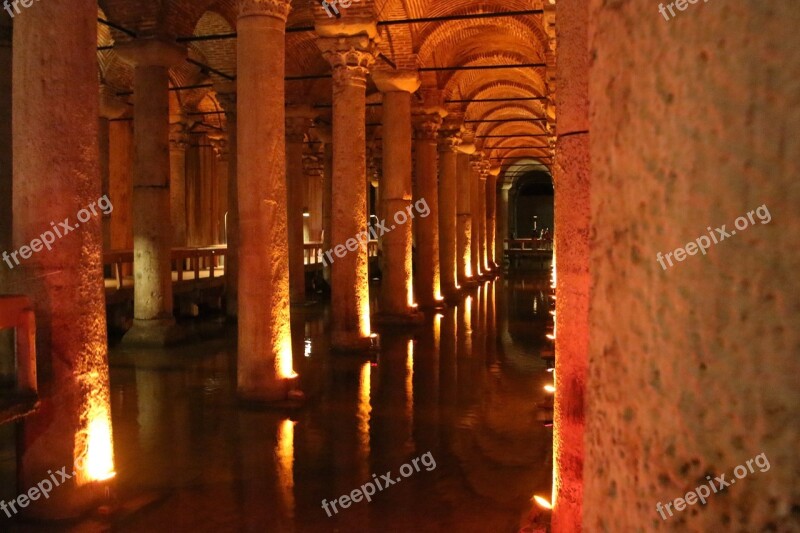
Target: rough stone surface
694,368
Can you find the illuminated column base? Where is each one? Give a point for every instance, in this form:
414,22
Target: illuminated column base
448,142
265,344
427,281
350,55
396,301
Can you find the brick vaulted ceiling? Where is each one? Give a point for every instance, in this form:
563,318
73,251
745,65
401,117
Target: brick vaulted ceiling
458,41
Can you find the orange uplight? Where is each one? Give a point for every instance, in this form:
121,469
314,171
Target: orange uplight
283,361
541,502
549,388
96,463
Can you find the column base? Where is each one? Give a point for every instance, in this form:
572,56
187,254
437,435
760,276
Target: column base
410,318
467,284
350,342
281,394
434,306
154,334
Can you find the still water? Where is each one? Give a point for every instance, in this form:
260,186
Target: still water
459,394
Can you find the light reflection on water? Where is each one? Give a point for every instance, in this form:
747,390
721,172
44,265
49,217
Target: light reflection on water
464,386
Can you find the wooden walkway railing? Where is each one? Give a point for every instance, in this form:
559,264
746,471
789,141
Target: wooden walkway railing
16,312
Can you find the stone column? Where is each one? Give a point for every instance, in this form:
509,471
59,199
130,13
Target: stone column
478,200
448,145
111,107
56,175
350,55
428,288
153,322
464,256
326,136
265,346
502,222
226,96
396,299
178,143
491,218
298,120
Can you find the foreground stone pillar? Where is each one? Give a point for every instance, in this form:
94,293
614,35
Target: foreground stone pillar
449,139
153,322
464,254
298,120
350,55
265,346
56,175
491,217
396,301
6,209
226,95
427,282
178,143
712,389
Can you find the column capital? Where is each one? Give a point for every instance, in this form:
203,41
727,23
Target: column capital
396,80
111,106
468,148
449,138
351,57
494,171
179,134
278,9
427,122
299,119
151,53
221,147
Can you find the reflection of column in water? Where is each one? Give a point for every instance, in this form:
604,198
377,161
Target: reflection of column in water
284,465
410,392
426,385
448,371
363,414
391,432
464,349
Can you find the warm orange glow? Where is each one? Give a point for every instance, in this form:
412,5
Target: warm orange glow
541,502
364,325
410,377
468,312
437,330
283,361
96,463
284,455
364,406
549,388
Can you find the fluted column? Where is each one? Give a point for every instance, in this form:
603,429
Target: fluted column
350,56
428,288
153,322
491,217
396,293
448,154
464,233
298,120
265,346
226,95
56,174
178,143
